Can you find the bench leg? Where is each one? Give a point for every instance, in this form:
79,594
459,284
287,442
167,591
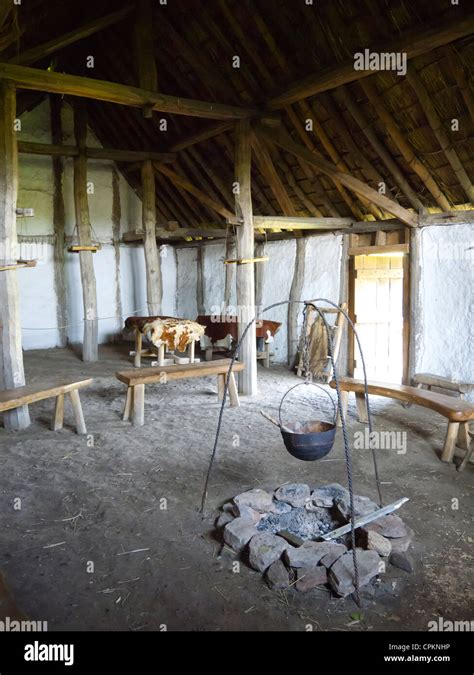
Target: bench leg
138,405
128,404
191,352
361,407
78,414
450,442
138,348
209,354
233,393
466,443
220,387
58,416
344,406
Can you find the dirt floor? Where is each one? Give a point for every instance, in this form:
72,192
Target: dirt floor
126,499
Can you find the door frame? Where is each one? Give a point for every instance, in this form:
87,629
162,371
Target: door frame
406,303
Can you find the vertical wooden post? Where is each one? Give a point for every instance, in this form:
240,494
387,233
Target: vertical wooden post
200,281
245,249
11,357
90,349
59,220
296,290
144,48
229,273
152,259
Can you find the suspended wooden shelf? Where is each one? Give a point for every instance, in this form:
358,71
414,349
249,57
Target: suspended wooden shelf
18,265
76,248
246,261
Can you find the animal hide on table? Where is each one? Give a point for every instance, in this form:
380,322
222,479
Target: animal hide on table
175,334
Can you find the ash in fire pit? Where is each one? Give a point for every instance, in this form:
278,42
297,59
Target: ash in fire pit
280,531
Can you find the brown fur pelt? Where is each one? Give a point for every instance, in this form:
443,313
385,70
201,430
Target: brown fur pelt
318,349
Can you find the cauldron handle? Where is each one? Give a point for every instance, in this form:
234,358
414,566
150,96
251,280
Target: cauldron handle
304,384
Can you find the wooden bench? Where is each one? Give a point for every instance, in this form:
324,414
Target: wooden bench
30,393
457,411
422,380
137,379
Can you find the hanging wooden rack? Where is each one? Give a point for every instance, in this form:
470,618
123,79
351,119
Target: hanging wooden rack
246,261
18,265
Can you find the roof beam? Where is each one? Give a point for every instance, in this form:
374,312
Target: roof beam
412,43
286,142
113,154
34,54
112,92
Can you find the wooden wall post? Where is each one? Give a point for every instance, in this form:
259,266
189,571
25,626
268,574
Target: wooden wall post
11,357
59,220
152,258
245,249
90,349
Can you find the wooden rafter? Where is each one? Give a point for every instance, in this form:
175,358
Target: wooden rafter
412,43
192,189
403,144
380,149
355,185
45,49
460,76
436,125
113,154
198,137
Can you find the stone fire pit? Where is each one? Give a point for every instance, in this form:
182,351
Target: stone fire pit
281,530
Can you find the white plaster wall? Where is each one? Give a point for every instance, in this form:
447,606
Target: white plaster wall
38,301
445,345
186,273
322,278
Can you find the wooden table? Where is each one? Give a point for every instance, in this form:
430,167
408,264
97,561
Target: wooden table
137,324
219,327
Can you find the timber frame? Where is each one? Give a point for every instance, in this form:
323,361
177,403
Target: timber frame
333,151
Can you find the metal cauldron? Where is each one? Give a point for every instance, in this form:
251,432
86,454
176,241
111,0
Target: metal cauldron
312,440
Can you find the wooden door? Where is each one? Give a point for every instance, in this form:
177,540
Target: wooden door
378,308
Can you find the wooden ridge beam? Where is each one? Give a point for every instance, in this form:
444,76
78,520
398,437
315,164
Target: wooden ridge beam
192,189
112,92
285,141
412,43
34,54
113,154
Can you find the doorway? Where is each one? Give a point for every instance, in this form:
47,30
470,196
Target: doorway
379,306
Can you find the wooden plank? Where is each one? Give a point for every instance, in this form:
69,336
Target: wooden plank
152,258
412,43
40,391
112,92
12,373
90,345
112,154
245,249
34,54
286,142
192,189
180,233
379,274
377,250
163,374
454,409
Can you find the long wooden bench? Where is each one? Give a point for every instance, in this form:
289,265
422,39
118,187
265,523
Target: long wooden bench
137,379
31,393
457,411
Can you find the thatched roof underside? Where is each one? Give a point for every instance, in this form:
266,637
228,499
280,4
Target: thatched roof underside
278,42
